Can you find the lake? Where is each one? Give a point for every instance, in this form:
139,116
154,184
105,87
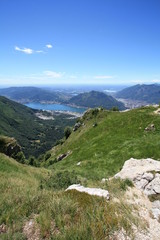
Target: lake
55,107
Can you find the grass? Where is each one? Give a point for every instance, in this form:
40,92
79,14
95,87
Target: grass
38,193
58,214
102,150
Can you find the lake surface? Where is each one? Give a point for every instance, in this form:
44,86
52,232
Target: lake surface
55,107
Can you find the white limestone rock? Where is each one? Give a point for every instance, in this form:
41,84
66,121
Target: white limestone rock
144,173
156,209
91,191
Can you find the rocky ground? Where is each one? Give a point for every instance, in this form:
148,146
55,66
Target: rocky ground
145,174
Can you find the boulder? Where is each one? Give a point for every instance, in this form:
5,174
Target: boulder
76,126
91,191
144,173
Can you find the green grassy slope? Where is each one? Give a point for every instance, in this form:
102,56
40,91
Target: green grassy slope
19,186
57,214
102,150
34,135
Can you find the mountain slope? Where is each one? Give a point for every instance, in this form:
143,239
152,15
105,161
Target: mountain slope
31,206
30,209
147,93
29,94
34,135
102,148
96,99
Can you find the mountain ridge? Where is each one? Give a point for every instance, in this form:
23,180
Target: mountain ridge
143,92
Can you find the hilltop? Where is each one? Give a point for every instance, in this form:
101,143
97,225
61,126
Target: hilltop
33,134
96,99
142,92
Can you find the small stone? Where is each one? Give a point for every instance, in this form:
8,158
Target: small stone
3,228
104,180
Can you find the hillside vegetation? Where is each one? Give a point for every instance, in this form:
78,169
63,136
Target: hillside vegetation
34,204
34,135
141,92
31,209
106,140
96,99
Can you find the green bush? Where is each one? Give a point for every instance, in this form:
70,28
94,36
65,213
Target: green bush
47,156
95,111
115,109
67,132
126,183
60,180
19,157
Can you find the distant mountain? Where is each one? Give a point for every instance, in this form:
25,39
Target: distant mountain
30,94
32,133
96,99
147,93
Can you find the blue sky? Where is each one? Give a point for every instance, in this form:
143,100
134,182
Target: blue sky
79,42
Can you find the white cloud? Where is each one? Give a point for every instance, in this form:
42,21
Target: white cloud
49,46
31,51
103,77
25,50
52,74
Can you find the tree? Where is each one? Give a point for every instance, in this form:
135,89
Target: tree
67,132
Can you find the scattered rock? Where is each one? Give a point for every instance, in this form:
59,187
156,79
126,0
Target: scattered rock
151,127
31,230
157,111
3,228
60,157
79,163
104,180
91,191
76,126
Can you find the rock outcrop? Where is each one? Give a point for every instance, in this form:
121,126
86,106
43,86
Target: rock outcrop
9,146
145,174
91,191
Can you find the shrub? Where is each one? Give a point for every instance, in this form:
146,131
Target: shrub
95,111
19,157
67,132
47,156
126,183
61,180
115,109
